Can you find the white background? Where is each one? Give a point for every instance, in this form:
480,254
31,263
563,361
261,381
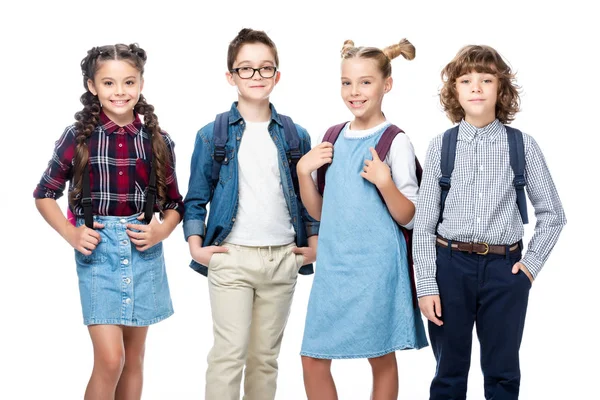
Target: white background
45,351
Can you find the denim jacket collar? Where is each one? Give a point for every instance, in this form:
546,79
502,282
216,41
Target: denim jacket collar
235,116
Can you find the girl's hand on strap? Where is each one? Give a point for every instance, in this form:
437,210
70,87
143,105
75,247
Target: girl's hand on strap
318,156
148,235
82,238
376,171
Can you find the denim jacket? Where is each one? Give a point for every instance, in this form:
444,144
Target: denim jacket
224,200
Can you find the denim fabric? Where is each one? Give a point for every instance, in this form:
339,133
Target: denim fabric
361,303
120,285
224,200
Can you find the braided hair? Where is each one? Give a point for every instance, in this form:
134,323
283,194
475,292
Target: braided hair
88,118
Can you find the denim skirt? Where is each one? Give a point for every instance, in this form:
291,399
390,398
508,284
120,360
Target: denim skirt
120,285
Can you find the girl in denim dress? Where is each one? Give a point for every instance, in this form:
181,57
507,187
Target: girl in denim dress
361,302
110,159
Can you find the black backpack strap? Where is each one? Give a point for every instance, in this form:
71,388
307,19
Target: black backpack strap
86,200
151,191
220,132
293,142
516,150
447,165
151,195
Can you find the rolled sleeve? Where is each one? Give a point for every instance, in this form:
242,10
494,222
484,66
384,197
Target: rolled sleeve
55,177
174,199
194,227
312,226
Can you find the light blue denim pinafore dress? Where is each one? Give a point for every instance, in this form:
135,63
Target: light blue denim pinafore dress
361,303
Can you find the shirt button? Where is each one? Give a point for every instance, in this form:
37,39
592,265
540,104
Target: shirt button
127,300
127,281
124,242
216,243
120,144
125,261
233,219
120,172
123,221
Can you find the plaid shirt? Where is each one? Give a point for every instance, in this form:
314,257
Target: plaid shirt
481,205
120,159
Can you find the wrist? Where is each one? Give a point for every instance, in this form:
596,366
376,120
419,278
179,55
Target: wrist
67,230
302,172
385,183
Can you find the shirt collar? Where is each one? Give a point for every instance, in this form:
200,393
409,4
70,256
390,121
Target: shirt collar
235,116
110,127
490,132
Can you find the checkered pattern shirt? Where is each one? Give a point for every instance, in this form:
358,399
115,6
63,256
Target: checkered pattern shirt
119,163
481,204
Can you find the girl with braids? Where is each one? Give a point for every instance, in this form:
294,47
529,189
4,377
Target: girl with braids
119,256
361,303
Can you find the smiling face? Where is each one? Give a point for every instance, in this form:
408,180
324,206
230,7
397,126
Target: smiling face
118,85
257,88
363,88
477,94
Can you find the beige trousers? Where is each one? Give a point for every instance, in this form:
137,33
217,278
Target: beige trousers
251,290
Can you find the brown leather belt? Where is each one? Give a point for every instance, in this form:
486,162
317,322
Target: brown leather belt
480,248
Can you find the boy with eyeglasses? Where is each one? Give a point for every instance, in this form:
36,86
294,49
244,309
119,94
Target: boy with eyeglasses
258,236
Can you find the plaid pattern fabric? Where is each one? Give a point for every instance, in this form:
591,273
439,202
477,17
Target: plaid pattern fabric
481,205
120,159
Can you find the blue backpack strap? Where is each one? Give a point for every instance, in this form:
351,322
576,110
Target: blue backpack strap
293,142
517,162
220,133
447,165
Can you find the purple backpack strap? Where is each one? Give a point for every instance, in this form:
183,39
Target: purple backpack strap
382,148
385,141
330,136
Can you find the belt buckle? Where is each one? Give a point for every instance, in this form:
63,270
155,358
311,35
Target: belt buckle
487,249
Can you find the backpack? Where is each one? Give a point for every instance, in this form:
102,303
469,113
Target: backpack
517,162
220,133
382,148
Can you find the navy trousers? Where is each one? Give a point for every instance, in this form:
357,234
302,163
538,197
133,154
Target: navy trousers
480,290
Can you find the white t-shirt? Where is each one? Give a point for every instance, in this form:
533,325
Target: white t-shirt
263,218
400,159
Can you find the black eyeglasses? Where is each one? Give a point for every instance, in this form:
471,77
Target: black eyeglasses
248,72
